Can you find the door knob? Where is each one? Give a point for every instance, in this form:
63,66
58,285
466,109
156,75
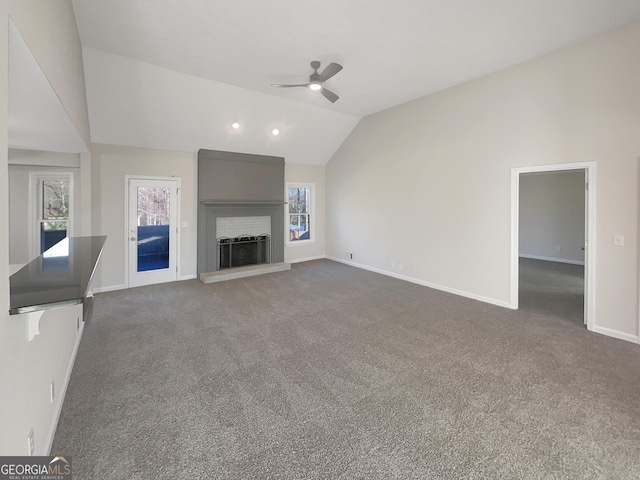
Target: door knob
133,239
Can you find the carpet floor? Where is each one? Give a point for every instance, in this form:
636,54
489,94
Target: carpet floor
552,288
328,371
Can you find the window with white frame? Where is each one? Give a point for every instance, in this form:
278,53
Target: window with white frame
300,212
53,209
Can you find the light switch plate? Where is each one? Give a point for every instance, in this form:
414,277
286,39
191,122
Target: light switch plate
618,240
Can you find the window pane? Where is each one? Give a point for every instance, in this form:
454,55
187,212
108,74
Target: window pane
51,233
48,226
55,199
294,200
153,206
153,228
294,227
303,200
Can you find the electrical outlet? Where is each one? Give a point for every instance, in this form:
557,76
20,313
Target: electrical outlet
400,267
350,256
52,391
557,248
31,446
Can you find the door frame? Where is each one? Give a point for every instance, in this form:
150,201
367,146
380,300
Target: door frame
126,240
590,232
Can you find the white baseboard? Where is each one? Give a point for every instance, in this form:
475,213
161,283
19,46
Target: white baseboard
616,334
110,288
122,286
307,259
63,392
551,259
473,296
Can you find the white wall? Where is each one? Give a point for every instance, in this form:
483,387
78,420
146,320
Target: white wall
427,184
137,104
316,175
552,216
8,378
49,27
111,164
27,368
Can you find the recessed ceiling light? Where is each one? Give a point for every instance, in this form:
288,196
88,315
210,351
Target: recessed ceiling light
275,132
235,125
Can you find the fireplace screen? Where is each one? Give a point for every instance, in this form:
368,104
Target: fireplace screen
243,250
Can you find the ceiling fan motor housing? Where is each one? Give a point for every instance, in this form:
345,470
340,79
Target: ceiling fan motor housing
317,79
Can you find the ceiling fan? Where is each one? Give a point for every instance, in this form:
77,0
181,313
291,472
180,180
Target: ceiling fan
317,79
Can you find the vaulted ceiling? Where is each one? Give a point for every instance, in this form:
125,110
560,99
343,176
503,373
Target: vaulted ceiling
392,51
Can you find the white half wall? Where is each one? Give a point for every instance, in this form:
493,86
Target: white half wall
552,206
427,184
111,164
137,104
297,252
27,368
9,429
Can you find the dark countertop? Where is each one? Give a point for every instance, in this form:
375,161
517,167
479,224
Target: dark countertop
60,276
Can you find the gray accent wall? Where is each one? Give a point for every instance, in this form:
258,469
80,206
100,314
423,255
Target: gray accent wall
236,184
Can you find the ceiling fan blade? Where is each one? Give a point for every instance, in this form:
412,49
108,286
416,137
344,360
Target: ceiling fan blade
289,85
329,72
329,95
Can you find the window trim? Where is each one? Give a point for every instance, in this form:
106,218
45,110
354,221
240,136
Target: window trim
312,214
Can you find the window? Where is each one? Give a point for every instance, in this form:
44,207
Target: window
300,198
53,210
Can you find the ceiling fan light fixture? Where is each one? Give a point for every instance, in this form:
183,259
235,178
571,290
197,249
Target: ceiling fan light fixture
316,80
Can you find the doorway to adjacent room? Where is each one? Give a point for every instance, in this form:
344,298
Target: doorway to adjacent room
553,248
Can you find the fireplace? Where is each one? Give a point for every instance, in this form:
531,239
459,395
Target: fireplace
243,250
242,240
227,225
241,212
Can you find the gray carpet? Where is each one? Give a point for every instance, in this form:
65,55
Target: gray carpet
328,371
552,288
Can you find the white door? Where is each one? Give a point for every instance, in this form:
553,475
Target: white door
152,235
